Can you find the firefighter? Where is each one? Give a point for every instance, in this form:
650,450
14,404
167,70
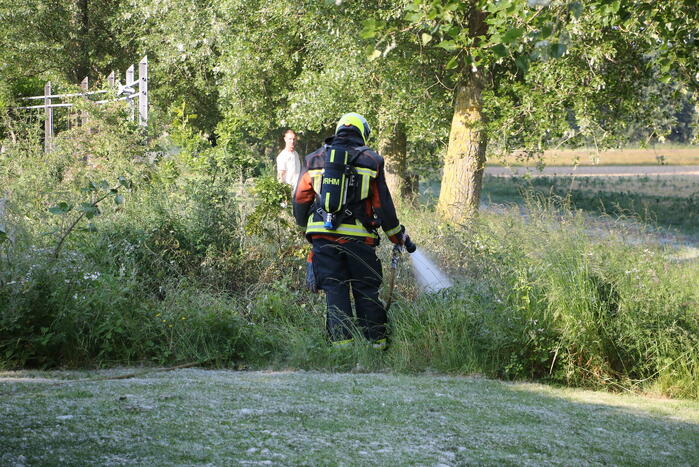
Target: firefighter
341,200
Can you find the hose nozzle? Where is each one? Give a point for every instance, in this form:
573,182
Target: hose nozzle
409,245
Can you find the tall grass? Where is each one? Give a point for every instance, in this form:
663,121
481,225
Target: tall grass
544,297
175,274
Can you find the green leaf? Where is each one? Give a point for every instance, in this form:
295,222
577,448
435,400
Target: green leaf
369,29
125,182
61,208
500,50
512,35
448,45
453,6
3,236
90,187
119,199
103,184
576,9
375,54
546,31
452,63
89,209
613,7
556,50
414,17
426,38
522,63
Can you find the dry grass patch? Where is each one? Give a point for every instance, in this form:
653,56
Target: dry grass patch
660,154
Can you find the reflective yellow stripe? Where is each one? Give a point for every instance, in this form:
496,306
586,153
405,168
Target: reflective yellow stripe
380,344
363,171
366,183
393,231
354,230
367,175
316,176
327,202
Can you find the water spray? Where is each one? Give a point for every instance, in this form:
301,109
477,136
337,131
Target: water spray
430,277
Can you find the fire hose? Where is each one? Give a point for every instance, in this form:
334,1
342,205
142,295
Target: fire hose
410,247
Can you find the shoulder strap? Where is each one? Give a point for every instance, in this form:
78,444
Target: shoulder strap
355,153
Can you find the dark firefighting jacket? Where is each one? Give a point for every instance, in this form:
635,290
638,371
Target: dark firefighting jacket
374,209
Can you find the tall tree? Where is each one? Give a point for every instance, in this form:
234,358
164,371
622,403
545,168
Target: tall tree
336,77
567,69
65,40
183,42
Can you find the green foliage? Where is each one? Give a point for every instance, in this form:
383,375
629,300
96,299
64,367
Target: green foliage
545,300
268,217
188,267
98,193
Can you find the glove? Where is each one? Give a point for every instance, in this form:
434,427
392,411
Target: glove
406,242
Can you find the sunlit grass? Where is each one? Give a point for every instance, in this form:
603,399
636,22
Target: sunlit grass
659,154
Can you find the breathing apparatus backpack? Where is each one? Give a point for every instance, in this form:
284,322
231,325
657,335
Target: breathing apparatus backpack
343,186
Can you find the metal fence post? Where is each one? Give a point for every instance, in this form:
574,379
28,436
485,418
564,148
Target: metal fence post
84,85
129,82
143,92
48,123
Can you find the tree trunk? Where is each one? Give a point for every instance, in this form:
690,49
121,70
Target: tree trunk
392,147
83,41
462,179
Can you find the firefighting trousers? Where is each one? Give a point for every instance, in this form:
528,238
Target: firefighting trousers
341,269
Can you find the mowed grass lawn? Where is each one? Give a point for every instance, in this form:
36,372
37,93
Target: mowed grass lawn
217,417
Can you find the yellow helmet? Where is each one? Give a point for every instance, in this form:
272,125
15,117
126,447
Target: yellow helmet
357,121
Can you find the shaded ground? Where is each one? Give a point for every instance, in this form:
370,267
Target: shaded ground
197,417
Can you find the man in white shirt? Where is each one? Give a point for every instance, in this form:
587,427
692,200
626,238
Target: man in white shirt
288,161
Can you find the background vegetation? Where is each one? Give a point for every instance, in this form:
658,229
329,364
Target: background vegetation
174,243
181,261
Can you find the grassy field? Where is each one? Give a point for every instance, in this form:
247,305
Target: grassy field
670,201
659,154
658,186
198,417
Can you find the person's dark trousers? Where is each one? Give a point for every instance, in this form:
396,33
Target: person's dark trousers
341,268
